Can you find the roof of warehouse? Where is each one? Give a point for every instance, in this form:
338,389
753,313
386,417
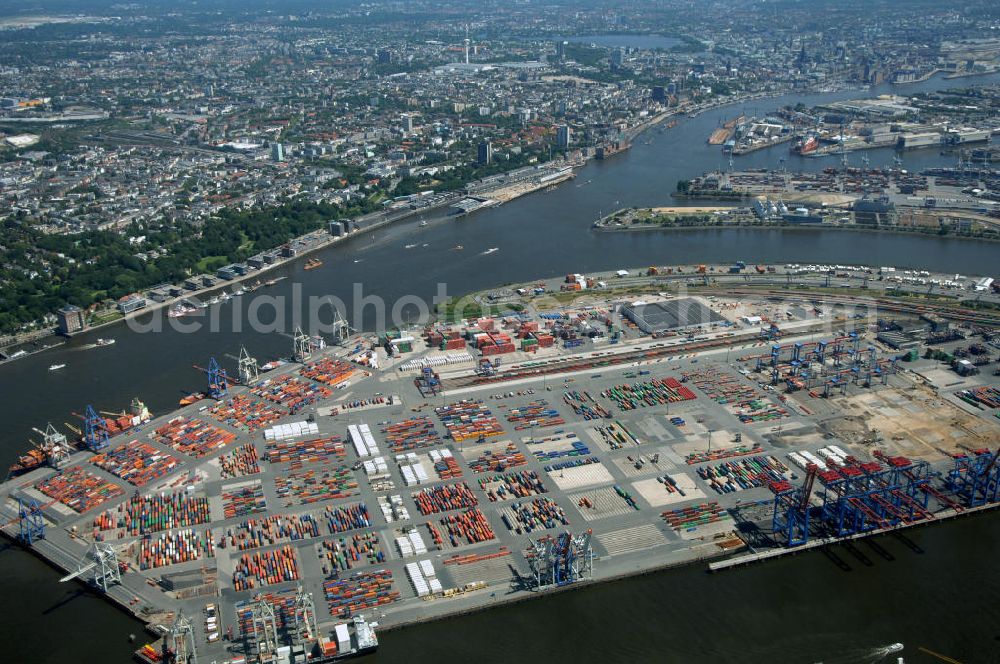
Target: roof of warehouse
683,312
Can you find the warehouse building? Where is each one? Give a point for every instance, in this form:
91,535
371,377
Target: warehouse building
670,316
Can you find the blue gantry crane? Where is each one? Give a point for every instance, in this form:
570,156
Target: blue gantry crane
790,521
218,381
975,478
30,521
95,430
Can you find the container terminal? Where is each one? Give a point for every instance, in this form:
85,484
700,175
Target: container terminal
592,427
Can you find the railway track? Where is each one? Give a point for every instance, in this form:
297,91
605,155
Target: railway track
573,364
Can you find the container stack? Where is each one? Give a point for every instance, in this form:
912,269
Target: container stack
245,412
363,440
410,543
329,371
243,500
493,343
171,548
524,517
290,392
657,392
691,517
470,558
340,555
136,463
274,529
444,498
393,508
535,414
723,453
496,462
585,406
376,469
512,485
263,568
469,420
470,526
617,437
290,430
344,518
411,434
361,591
577,448
412,469
423,578
298,453
742,474
445,465
141,515
192,437
305,487
242,461
79,489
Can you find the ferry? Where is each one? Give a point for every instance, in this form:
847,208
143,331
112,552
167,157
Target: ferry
56,367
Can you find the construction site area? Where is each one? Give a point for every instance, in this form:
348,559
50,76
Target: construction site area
286,515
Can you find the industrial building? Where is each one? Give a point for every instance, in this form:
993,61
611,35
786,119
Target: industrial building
671,316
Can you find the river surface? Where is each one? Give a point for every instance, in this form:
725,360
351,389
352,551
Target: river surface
801,609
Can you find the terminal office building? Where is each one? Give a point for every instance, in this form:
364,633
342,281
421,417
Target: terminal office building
679,315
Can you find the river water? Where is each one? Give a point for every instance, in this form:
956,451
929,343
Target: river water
804,605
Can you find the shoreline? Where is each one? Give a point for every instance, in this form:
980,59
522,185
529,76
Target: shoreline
794,228
635,132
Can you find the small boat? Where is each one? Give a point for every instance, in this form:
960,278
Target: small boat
105,342
16,354
194,397
423,222
425,244
56,367
312,264
224,296
410,246
238,292
270,282
273,364
214,300
457,247
358,260
491,250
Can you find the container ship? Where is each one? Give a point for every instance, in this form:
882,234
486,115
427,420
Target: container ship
349,640
52,451
116,423
806,145
194,397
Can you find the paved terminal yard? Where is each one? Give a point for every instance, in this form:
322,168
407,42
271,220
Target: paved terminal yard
661,457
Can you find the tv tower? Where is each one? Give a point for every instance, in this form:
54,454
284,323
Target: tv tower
466,43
